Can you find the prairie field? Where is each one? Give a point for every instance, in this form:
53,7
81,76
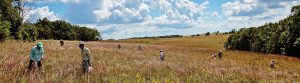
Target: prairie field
188,60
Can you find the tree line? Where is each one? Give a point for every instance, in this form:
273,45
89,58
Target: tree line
282,37
60,29
215,33
178,36
13,26
166,36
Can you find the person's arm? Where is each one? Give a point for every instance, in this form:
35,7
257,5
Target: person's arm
89,53
31,54
42,53
89,56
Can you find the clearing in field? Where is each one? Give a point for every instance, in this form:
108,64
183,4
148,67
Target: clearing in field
187,60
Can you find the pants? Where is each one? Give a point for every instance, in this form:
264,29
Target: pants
85,65
162,58
39,63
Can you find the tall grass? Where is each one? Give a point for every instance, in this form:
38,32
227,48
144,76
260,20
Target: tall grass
187,60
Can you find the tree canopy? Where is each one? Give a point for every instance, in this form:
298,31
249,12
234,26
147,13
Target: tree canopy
282,37
12,26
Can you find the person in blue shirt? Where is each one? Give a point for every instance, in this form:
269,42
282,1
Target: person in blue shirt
36,55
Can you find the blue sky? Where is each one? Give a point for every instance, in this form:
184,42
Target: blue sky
119,19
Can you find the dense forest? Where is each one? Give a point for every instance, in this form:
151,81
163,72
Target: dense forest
280,38
13,26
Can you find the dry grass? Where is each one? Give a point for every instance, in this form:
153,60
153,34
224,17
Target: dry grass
187,60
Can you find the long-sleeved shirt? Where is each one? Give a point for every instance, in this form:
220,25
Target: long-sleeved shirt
85,53
36,54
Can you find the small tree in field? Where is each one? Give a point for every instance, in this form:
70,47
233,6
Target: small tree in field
207,33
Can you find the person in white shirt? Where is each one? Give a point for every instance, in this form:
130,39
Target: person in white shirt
162,56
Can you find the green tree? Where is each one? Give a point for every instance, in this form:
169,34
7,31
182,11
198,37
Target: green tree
28,32
44,28
4,30
86,34
207,33
10,13
282,37
64,30
296,10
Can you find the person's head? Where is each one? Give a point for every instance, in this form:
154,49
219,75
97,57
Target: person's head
161,50
81,45
273,61
39,45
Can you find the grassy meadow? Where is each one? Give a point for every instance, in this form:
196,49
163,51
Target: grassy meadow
188,60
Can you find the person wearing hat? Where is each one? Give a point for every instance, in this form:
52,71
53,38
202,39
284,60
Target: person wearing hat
61,42
36,55
162,56
86,54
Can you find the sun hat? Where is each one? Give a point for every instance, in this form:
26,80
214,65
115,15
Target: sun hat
39,44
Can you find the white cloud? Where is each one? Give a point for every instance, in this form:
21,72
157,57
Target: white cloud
151,26
39,13
98,27
137,11
121,31
236,7
239,18
62,1
215,14
131,30
116,10
67,1
118,19
164,4
191,7
253,13
143,9
102,14
249,1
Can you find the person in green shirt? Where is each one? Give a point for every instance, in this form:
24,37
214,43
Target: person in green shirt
36,55
86,54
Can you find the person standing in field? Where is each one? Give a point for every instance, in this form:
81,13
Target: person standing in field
86,54
272,64
36,55
213,56
220,54
119,46
162,56
61,42
140,47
